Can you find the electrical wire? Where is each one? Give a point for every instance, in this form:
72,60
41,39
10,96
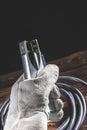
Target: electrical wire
75,99
79,99
3,113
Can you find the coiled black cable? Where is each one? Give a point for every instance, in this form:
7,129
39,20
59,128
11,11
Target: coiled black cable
71,101
74,97
80,103
3,113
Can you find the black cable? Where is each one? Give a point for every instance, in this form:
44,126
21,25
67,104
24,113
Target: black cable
79,99
72,117
74,92
81,108
77,104
3,113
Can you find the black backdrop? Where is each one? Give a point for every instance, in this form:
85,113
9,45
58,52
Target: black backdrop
59,32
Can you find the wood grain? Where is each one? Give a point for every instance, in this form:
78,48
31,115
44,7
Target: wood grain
72,65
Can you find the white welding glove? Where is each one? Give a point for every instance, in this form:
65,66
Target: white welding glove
29,101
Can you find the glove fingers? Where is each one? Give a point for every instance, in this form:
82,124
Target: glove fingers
60,114
55,93
58,104
55,97
57,116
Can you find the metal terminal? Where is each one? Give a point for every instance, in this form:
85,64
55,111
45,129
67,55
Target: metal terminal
31,58
34,46
23,47
34,52
24,56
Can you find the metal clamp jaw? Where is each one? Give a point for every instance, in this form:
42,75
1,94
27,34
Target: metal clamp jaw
32,59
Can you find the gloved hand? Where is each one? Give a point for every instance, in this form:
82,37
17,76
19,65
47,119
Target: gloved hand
29,101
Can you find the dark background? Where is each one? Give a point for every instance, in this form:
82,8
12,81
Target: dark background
60,31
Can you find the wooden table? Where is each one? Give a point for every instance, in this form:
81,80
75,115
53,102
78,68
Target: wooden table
72,65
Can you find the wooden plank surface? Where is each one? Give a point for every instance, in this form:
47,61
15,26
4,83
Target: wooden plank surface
72,65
